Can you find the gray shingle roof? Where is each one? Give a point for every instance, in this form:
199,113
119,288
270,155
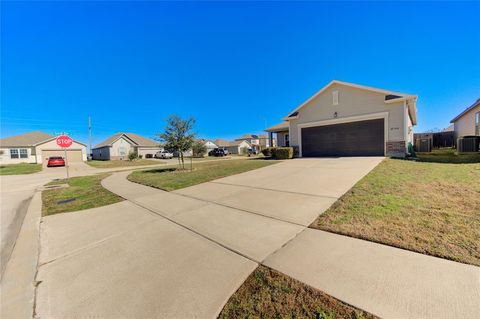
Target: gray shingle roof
279,127
136,139
28,139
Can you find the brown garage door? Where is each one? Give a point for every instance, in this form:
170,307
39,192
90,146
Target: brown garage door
365,138
72,155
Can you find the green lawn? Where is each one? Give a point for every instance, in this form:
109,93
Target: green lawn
431,208
447,155
126,163
83,192
269,294
17,169
171,178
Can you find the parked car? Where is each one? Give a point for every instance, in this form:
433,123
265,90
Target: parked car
218,152
55,161
163,154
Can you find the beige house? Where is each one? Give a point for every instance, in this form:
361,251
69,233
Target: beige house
118,146
346,119
467,123
37,147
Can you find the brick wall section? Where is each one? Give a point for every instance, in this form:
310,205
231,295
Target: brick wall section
396,149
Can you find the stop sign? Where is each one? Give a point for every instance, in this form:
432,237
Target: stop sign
64,141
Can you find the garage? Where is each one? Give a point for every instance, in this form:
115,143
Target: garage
362,138
73,155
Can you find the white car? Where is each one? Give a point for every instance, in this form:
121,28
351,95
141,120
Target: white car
163,154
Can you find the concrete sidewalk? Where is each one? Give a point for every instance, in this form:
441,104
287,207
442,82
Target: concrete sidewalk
385,281
122,261
18,281
251,235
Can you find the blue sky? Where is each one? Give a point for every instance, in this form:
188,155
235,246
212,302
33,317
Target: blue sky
234,66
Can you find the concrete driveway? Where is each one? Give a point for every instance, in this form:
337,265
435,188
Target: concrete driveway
183,253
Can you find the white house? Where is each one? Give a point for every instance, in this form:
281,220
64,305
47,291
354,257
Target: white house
234,147
37,147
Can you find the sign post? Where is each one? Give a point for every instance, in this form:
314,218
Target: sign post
65,142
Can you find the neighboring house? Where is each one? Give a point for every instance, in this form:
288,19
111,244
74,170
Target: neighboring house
265,142
208,144
467,123
118,146
234,147
346,119
37,147
257,142
449,128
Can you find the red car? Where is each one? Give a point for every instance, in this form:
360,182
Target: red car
55,161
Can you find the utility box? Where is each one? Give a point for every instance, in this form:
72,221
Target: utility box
423,144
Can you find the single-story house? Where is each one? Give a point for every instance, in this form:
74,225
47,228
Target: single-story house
208,144
346,119
467,123
257,142
118,146
37,147
233,147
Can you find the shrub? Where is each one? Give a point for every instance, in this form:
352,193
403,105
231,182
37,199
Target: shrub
283,152
244,150
411,150
132,156
267,152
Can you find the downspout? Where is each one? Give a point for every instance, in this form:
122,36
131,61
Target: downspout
405,125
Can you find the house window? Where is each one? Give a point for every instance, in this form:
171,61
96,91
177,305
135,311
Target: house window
477,123
122,151
14,153
23,153
287,140
335,97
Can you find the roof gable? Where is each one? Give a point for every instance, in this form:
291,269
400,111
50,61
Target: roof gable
135,139
468,109
390,97
28,139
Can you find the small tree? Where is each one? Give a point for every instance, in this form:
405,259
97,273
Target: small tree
199,149
132,156
178,136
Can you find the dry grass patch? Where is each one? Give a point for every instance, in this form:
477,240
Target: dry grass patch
429,208
18,169
83,193
269,294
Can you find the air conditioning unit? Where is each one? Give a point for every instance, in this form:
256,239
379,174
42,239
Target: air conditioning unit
423,145
468,144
